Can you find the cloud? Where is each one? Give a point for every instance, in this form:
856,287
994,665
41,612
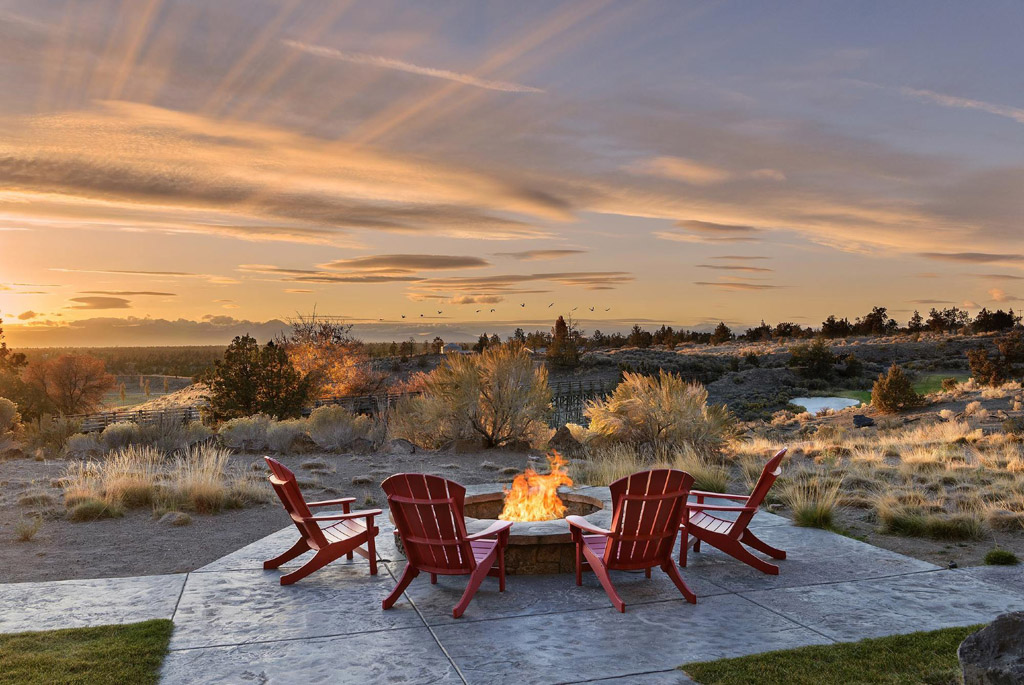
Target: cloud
100,303
538,255
740,257
1000,295
296,291
505,283
998,277
697,173
932,302
735,267
408,263
409,68
737,285
693,231
477,299
956,102
315,276
25,316
222,280
972,257
129,293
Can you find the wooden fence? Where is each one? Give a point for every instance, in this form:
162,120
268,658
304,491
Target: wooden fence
568,399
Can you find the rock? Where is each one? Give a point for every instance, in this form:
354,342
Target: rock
176,518
995,654
468,445
861,421
362,480
360,446
12,453
401,446
563,443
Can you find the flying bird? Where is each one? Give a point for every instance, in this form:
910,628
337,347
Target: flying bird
478,311
421,316
403,316
609,309
574,309
438,311
522,304
551,305
591,309
492,311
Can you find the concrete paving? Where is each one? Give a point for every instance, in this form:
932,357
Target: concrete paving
235,624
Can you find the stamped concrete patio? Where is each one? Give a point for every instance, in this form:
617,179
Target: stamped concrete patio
235,624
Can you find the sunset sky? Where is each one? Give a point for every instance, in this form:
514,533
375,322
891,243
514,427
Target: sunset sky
176,171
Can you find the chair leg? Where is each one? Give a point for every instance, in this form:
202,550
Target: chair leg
739,552
475,578
371,548
319,560
647,571
601,571
408,574
297,549
579,562
760,545
684,547
433,579
696,545
501,569
669,568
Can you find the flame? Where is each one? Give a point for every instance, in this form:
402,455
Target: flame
534,497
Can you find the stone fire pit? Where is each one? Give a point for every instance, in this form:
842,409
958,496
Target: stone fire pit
536,547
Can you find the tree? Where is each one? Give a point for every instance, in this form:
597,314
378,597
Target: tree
437,346
1005,366
482,343
836,328
875,322
9,361
759,333
518,336
951,319
813,361
71,383
563,350
254,380
333,362
916,323
893,392
988,322
722,334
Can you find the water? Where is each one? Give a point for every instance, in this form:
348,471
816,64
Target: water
816,404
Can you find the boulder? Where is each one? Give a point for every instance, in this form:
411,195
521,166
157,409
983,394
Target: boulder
563,443
862,421
994,655
176,518
401,446
360,446
362,480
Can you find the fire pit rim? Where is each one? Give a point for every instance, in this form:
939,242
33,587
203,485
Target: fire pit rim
542,532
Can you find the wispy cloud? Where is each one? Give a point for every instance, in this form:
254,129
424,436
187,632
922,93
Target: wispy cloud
212,278
735,267
956,102
538,255
25,316
100,303
737,285
408,263
973,257
693,231
410,68
129,293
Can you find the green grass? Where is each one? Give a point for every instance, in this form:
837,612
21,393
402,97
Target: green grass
897,660
109,654
932,382
862,395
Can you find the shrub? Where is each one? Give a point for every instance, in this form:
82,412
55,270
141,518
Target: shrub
282,435
25,529
120,435
893,392
1005,366
252,380
813,361
52,434
1001,557
812,497
949,384
497,395
1014,425
93,509
661,411
333,427
246,433
83,446
10,419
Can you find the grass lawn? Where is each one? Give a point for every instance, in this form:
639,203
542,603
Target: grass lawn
109,654
925,384
899,659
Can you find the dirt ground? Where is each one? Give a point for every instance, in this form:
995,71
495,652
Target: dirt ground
137,544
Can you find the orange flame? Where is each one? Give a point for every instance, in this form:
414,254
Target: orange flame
534,497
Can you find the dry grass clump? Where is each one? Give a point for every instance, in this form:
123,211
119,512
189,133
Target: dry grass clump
283,435
661,411
199,480
26,528
334,427
246,434
607,463
812,496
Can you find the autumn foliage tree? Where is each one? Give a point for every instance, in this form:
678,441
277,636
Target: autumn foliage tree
71,383
333,361
563,350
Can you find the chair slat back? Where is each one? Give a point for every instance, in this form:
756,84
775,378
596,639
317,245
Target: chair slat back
428,513
764,483
283,481
648,507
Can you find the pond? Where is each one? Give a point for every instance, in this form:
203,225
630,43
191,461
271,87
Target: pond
816,404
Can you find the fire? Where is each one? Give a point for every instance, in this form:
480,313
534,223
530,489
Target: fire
534,497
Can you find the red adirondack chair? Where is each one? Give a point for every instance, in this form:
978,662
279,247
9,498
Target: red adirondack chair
728,535
428,513
352,528
648,508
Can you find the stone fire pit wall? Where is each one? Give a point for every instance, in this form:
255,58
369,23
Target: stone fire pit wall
539,546
536,547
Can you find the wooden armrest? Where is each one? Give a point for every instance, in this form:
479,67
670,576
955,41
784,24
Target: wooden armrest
493,529
331,502
584,524
365,513
718,507
719,495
